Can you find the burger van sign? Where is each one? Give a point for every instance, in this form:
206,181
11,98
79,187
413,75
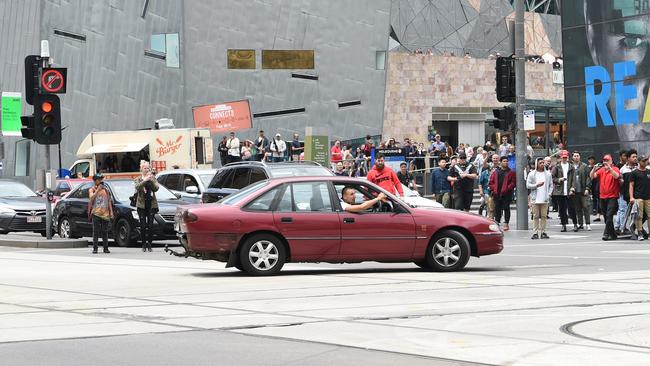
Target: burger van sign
224,117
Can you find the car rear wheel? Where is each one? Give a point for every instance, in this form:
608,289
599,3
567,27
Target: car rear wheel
65,229
262,255
123,233
449,251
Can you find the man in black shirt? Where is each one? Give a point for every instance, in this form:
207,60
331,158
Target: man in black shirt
462,175
223,151
640,193
404,176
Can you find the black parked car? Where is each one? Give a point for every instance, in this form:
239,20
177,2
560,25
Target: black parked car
235,176
21,209
71,213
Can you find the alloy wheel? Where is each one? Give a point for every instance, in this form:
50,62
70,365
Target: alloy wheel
64,229
446,252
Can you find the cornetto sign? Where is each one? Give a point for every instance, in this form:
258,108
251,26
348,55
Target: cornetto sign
224,117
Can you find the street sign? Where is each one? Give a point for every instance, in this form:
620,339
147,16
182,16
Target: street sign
529,120
317,149
53,80
11,106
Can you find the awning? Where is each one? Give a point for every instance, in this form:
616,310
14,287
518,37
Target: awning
116,148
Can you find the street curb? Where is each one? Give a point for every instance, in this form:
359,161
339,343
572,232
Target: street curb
43,243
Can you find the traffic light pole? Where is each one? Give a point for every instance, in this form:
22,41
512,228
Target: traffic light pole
48,203
520,138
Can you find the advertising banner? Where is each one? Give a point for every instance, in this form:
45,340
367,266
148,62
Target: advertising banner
11,106
392,157
607,75
317,149
224,117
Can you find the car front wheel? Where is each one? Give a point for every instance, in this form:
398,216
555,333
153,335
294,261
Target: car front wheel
123,233
449,251
262,255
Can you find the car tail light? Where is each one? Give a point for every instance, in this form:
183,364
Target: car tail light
189,217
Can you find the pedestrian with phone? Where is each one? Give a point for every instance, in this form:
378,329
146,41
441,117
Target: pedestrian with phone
610,187
146,187
100,206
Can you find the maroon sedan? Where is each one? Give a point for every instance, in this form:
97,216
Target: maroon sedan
302,219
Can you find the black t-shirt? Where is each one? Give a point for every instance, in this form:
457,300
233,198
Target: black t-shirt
404,178
641,179
465,184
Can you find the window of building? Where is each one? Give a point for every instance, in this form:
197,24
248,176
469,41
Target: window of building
165,47
23,148
380,60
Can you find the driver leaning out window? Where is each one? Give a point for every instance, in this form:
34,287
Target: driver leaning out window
348,200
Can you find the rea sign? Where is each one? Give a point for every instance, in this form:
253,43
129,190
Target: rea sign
224,117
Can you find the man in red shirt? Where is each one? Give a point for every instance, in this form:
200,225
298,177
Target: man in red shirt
385,177
610,186
336,154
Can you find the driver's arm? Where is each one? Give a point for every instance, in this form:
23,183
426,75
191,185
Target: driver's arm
366,205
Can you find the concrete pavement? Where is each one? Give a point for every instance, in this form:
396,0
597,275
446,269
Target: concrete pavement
571,300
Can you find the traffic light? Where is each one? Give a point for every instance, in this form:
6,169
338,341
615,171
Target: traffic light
504,119
506,86
47,119
27,130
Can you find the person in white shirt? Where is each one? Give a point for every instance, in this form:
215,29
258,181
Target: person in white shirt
540,182
563,180
348,198
233,146
278,148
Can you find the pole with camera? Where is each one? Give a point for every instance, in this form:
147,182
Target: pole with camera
42,83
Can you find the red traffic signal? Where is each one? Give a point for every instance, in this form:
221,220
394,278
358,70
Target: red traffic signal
47,119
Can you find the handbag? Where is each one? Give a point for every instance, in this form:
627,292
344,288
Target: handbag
133,199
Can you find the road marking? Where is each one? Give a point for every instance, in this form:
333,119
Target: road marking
627,251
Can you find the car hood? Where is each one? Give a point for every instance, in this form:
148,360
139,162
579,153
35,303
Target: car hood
23,203
169,207
421,202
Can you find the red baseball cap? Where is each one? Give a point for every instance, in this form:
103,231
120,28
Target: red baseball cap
564,154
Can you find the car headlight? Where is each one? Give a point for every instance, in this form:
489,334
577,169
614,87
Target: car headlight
6,210
135,215
494,227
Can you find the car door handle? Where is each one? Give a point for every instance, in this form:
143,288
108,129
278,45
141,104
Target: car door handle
286,219
348,220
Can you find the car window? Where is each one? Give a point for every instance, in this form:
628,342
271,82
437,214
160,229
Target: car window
82,192
286,201
257,175
162,179
264,202
61,188
123,189
311,197
240,179
236,197
83,168
297,170
364,193
222,179
189,181
174,182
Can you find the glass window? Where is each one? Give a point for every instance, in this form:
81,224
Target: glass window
286,202
61,188
380,60
173,182
263,202
236,197
299,171
15,189
172,44
158,43
23,148
206,178
82,192
257,175
189,181
240,179
311,197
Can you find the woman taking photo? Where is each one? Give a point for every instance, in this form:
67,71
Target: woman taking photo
146,203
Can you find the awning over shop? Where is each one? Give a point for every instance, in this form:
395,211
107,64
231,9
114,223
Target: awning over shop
116,148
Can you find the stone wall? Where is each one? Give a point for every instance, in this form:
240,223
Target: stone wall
418,83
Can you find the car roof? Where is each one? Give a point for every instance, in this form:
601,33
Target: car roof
271,165
326,178
188,171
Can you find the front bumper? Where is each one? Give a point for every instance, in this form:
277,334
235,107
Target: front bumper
13,222
490,242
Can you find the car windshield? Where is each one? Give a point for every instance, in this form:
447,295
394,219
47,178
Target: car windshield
122,190
236,197
279,171
206,178
15,189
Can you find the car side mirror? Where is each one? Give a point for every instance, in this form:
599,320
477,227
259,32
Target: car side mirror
192,190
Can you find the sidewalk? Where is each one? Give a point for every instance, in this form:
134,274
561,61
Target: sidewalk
32,240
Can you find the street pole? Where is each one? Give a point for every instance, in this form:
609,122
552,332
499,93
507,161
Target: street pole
520,138
48,203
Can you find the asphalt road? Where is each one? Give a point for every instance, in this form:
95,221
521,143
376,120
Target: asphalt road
570,300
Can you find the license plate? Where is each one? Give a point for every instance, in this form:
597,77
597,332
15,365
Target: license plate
34,219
